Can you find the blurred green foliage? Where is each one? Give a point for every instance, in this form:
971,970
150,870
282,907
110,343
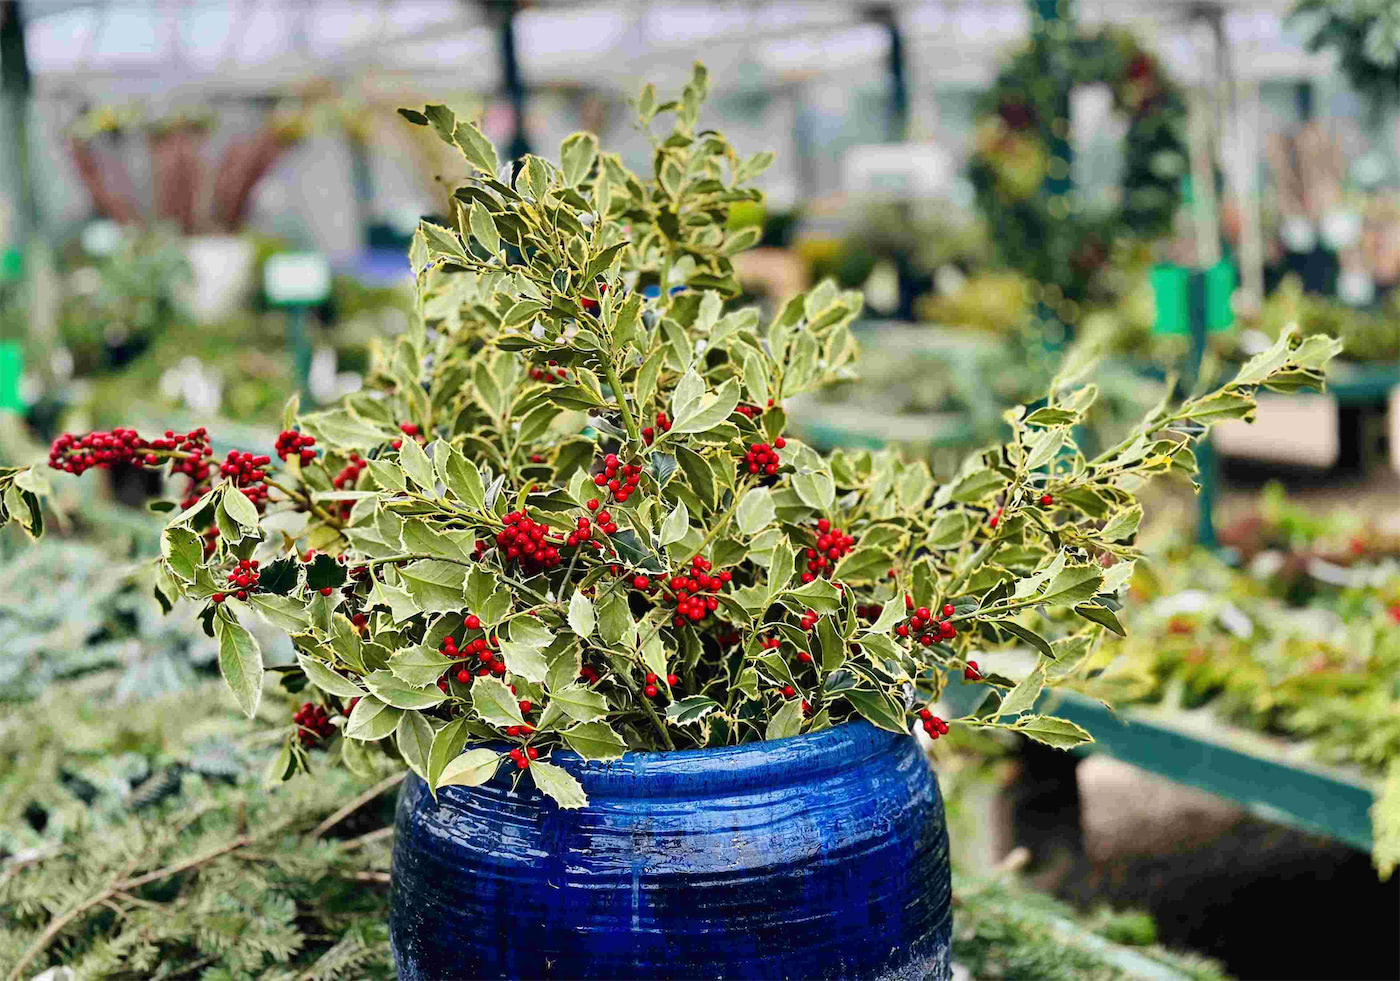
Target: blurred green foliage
113,306
1002,930
91,615
1366,334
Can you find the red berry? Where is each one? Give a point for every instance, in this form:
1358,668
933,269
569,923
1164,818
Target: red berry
217,598
327,590
473,622
651,691
948,609
673,680
1046,500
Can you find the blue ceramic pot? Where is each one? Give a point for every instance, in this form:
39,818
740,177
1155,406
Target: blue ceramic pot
819,856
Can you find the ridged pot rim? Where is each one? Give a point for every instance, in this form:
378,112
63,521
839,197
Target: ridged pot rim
766,763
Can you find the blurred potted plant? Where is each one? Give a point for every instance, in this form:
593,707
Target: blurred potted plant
209,205
653,665
118,303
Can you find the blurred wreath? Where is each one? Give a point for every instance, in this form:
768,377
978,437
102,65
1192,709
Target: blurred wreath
1366,37
1041,229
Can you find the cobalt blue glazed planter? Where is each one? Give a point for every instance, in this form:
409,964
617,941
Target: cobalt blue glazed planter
819,856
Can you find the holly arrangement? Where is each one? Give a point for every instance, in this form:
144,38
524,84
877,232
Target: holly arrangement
564,513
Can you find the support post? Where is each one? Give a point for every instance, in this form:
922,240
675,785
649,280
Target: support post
15,86
1055,15
513,83
1205,452
300,340
897,106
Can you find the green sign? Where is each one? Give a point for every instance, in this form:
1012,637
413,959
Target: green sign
11,368
296,279
1172,287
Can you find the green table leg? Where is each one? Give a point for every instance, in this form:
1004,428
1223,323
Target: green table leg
301,348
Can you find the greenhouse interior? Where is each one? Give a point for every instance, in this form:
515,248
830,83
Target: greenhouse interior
513,553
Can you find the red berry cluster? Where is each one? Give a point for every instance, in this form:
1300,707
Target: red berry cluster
583,531
313,724
620,479
809,619
76,454
925,626
933,725
762,458
972,672
995,519
589,675
605,522
770,643
652,690
750,411
527,540
247,473
522,757
870,611
693,595
832,545
243,580
591,305
195,465
787,691
409,429
663,423
549,373
484,651
292,443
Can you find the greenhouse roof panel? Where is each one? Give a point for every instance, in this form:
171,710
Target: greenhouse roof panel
117,47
